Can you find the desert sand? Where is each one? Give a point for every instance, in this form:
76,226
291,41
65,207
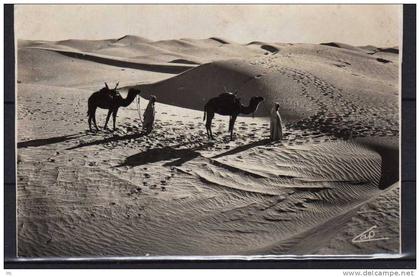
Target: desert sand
175,192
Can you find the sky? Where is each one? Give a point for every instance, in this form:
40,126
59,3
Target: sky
378,25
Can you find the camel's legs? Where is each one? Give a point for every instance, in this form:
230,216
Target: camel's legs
208,132
90,109
94,118
231,125
210,116
90,121
107,118
114,117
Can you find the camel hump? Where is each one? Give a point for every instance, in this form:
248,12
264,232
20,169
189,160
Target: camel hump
109,92
228,97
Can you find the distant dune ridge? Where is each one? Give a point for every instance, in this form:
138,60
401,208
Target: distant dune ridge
334,175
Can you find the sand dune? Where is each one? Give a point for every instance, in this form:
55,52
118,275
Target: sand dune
143,50
174,192
269,47
341,45
162,68
72,71
302,79
130,40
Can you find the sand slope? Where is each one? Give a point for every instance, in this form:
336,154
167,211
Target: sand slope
174,192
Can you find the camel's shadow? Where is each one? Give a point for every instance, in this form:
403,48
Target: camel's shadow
108,140
47,141
161,154
180,155
59,139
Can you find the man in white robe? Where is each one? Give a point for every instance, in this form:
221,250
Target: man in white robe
149,115
276,125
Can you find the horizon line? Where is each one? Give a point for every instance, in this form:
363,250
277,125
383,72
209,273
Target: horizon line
228,41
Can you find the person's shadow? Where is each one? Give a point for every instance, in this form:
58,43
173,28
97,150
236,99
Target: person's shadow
243,148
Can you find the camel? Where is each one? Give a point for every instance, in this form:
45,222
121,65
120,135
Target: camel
111,100
228,104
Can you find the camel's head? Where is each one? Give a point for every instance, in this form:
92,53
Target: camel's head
256,99
134,91
152,98
254,102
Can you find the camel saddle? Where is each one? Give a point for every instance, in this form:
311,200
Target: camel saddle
229,97
110,92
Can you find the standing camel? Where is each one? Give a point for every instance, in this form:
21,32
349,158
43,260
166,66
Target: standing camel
228,104
109,99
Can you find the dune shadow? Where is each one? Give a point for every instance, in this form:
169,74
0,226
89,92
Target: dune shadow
107,140
243,148
389,50
389,165
162,68
383,60
183,61
222,41
47,141
270,48
161,154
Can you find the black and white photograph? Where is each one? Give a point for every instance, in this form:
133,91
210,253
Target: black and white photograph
186,130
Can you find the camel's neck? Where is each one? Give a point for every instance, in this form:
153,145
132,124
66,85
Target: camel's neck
129,99
252,107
